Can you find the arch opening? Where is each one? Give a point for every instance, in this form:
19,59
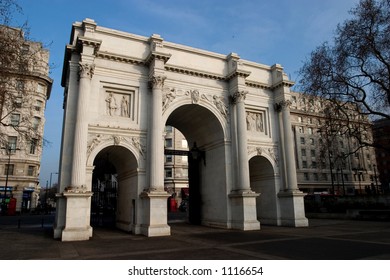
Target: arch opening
262,180
206,173
114,181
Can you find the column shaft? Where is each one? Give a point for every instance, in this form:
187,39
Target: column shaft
81,127
156,147
242,150
291,172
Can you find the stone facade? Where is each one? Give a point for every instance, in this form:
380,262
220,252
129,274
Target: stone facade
121,90
22,110
320,165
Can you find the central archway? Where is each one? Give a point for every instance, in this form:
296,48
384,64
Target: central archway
208,179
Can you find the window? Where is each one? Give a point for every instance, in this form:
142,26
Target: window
306,176
168,173
168,158
41,88
302,140
33,146
12,140
35,123
38,105
312,142
315,176
168,143
31,170
15,119
312,153
168,128
9,169
314,164
304,164
19,85
310,121
303,152
300,129
18,102
300,119
324,177
310,130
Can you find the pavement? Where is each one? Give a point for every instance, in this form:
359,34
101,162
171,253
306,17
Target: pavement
30,238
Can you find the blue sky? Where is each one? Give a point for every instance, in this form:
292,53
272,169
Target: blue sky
265,31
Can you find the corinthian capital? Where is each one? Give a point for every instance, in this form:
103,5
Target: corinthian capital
239,96
157,81
282,105
86,70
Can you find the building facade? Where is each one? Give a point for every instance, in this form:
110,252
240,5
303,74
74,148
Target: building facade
329,163
382,141
122,90
23,102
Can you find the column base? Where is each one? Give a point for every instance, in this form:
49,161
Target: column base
76,234
292,209
77,216
243,210
155,217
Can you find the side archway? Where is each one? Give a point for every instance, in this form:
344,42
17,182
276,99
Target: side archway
114,184
263,181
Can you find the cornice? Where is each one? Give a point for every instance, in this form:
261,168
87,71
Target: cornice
158,56
194,72
254,84
120,58
282,84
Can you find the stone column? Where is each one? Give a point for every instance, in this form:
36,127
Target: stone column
156,144
77,194
154,199
243,199
78,178
288,144
242,145
292,207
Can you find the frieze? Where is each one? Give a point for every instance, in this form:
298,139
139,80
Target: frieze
118,104
170,94
255,122
260,151
95,139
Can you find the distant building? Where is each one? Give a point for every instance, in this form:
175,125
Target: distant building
25,86
329,164
382,139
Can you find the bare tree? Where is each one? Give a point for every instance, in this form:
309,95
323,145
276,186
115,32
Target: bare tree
353,73
23,64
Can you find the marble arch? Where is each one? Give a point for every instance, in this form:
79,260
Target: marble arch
122,89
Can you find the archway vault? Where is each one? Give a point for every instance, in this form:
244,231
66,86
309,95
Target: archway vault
263,181
200,125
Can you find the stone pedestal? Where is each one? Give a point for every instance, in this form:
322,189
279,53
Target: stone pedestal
77,222
155,216
292,208
243,209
